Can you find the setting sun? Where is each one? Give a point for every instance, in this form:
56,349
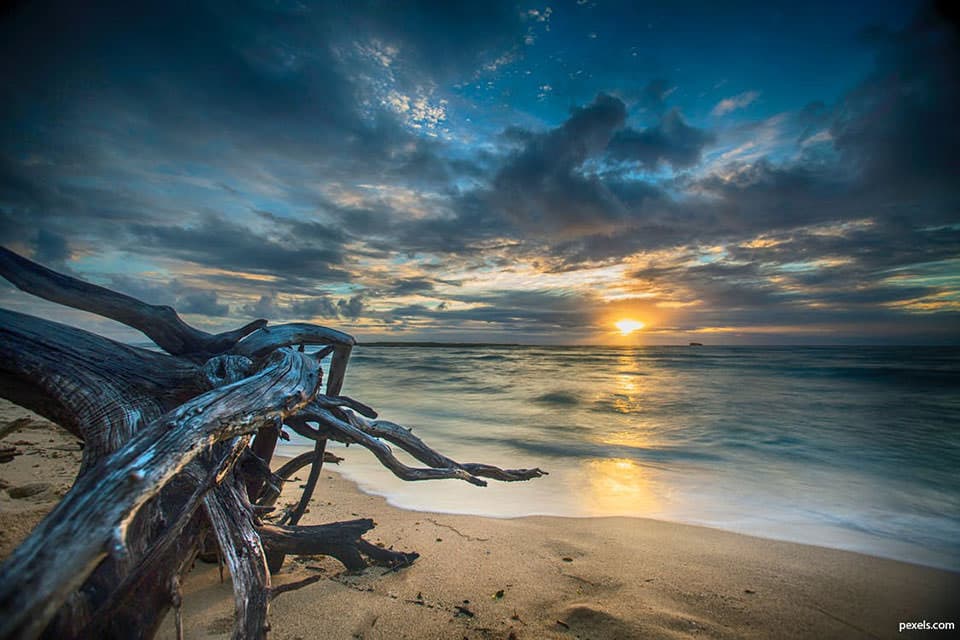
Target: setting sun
627,327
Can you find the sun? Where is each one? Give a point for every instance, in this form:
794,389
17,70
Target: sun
628,326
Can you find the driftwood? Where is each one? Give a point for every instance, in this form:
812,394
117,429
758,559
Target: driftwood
178,445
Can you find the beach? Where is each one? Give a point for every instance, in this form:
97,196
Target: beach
530,577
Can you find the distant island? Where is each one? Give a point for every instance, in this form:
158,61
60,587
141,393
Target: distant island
696,344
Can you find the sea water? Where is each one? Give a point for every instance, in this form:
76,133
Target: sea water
848,447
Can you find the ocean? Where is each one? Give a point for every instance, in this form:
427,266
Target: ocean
848,447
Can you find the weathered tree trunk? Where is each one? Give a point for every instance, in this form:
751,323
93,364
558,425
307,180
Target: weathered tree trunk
177,445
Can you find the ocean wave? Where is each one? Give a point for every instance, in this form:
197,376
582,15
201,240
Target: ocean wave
562,398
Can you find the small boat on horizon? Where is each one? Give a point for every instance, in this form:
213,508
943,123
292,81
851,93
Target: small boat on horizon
696,344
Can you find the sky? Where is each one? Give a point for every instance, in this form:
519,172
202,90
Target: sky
727,173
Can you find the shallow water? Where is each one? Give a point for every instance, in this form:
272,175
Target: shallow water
848,447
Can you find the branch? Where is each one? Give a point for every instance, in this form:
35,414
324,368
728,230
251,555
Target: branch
341,540
267,339
91,519
240,543
98,389
404,438
293,517
343,431
159,323
338,367
327,401
274,485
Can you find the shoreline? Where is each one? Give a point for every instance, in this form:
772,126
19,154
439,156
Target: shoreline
372,479
533,576
640,520
390,503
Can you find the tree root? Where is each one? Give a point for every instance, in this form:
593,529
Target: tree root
175,445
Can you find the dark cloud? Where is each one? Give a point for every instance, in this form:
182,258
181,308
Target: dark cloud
474,222
313,307
899,125
815,275
305,308
201,302
217,242
163,293
671,141
184,298
351,308
407,286
512,310
542,188
263,97
544,196
52,249
264,307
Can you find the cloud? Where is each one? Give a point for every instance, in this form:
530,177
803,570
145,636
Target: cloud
264,307
183,297
739,101
538,310
217,242
307,307
313,307
52,249
540,187
201,302
671,141
351,308
899,125
407,286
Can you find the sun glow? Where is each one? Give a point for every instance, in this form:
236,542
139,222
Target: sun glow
627,327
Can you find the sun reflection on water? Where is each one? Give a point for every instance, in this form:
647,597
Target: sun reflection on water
621,487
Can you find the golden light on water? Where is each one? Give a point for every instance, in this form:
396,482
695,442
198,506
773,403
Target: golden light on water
627,326
621,487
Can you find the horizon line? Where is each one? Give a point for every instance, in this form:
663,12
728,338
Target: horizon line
439,343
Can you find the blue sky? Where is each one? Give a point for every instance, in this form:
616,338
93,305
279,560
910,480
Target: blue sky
533,172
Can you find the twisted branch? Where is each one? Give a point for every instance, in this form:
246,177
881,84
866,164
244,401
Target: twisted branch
404,438
159,323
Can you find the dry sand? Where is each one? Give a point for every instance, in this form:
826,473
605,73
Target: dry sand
536,577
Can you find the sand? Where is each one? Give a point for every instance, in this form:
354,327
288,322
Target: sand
537,577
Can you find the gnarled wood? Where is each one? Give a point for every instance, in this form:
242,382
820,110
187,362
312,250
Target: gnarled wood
83,528
342,540
159,323
346,428
267,339
404,438
166,433
242,548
